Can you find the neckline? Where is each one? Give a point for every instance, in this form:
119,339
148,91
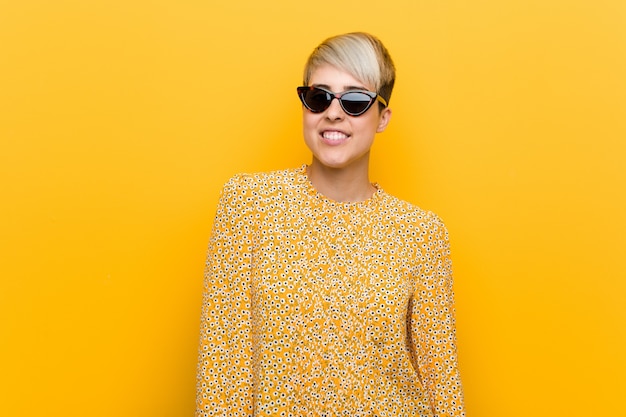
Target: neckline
310,189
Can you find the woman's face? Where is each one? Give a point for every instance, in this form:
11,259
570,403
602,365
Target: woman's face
336,139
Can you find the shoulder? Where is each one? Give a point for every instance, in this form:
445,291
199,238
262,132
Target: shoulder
412,218
260,184
409,212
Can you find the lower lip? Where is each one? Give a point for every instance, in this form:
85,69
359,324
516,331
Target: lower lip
334,142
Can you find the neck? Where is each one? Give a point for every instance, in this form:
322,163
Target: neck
339,184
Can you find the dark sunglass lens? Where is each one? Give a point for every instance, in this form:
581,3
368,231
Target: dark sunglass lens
355,103
317,100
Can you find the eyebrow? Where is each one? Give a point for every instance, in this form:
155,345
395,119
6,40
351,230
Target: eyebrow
345,87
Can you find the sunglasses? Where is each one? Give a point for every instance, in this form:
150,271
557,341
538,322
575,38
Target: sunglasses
353,102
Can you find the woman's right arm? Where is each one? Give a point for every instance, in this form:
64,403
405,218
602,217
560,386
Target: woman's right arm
224,378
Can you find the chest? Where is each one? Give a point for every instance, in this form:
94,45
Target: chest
349,262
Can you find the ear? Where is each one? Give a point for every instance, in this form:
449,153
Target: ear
383,120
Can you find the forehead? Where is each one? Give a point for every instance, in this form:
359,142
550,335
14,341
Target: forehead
336,79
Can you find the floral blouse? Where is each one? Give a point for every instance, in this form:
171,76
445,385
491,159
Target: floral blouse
314,307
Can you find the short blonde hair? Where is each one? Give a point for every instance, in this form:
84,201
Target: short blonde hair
361,55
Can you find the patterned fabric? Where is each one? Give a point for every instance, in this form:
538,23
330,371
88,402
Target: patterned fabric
318,308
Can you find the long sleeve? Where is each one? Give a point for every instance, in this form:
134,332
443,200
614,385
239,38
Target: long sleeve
224,376
432,325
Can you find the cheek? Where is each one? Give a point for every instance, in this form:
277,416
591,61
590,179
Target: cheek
372,124
308,128
366,127
309,122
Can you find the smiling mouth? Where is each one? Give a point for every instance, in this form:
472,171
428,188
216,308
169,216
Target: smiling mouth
334,135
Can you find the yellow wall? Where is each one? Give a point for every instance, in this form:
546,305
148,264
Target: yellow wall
121,119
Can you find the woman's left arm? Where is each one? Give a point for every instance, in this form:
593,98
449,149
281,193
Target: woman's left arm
432,324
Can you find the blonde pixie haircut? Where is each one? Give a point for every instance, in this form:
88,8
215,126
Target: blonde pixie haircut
361,55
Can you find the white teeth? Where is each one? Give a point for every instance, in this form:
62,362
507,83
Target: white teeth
333,135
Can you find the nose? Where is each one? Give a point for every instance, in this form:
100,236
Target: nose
334,111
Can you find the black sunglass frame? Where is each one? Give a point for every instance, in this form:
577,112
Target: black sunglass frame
373,97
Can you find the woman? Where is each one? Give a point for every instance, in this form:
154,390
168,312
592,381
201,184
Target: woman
324,295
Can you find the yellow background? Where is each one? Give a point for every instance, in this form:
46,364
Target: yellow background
121,119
